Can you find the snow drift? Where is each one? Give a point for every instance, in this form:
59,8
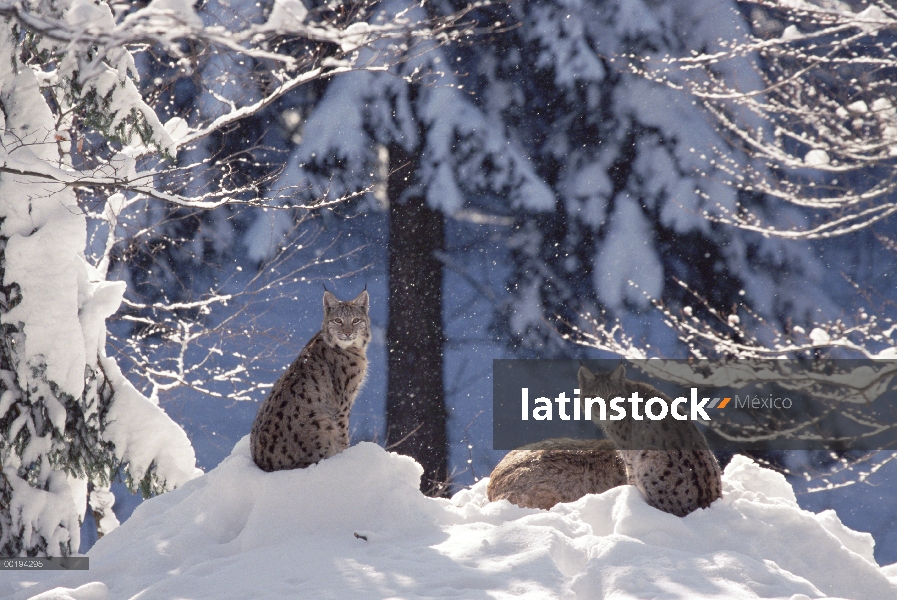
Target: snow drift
356,526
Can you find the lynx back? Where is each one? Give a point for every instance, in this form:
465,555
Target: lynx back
556,470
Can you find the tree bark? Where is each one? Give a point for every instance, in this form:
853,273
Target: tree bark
415,402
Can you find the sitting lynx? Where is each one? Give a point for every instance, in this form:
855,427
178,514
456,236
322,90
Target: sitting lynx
306,417
558,470
669,461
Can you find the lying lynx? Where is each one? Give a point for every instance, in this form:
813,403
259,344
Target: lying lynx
557,470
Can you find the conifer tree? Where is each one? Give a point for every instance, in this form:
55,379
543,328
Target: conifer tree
623,155
68,417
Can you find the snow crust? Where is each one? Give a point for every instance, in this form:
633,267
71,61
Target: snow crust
356,526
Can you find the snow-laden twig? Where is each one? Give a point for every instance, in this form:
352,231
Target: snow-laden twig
819,120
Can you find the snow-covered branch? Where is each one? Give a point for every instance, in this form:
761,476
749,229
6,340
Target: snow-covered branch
818,119
166,25
86,135
741,351
706,333
92,43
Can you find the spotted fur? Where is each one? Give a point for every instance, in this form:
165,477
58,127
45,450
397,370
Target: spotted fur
305,419
669,461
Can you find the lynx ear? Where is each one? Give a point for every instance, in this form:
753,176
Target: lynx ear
330,301
584,375
362,301
618,375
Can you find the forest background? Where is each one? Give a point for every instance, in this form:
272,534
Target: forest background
506,180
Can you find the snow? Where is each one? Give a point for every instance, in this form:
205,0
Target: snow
113,78
102,301
337,124
463,152
594,124
626,256
791,33
102,500
286,15
86,13
48,269
816,158
356,526
266,234
592,187
565,47
64,304
634,18
355,35
859,107
448,115
177,128
819,337
527,310
444,192
872,19
144,436
51,514
181,10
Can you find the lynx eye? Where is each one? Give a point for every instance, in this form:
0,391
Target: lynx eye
338,321
356,321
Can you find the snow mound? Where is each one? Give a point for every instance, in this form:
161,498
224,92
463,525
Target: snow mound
355,526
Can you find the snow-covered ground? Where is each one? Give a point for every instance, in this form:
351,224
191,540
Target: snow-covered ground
356,526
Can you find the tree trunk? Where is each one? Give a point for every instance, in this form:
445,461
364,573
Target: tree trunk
415,402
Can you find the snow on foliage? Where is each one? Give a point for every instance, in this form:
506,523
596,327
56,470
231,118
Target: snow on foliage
610,143
109,84
356,526
63,400
818,145
286,14
144,437
626,256
815,142
421,106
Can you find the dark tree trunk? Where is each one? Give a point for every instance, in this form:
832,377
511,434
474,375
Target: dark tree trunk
415,401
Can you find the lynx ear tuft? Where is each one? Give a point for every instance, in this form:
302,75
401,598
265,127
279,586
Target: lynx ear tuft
330,301
585,375
362,301
618,375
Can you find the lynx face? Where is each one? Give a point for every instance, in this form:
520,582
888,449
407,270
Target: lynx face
346,323
602,385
